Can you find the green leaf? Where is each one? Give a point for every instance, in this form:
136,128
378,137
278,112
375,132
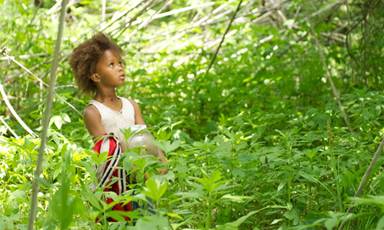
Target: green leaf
153,223
236,224
155,189
330,223
237,199
174,215
57,121
117,215
211,183
380,224
167,146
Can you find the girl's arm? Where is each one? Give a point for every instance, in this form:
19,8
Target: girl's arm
138,117
92,120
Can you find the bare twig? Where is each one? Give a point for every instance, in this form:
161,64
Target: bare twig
368,172
41,82
26,56
46,117
131,20
214,18
14,113
328,76
327,8
223,38
178,33
8,127
180,10
148,20
366,176
217,16
121,16
103,9
279,16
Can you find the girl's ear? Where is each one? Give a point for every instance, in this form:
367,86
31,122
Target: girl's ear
95,77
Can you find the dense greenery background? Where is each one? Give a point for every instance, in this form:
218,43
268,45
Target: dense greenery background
258,142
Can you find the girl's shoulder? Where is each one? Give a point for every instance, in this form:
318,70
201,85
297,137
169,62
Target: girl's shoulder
91,112
93,106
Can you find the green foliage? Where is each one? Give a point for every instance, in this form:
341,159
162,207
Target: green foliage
155,189
256,143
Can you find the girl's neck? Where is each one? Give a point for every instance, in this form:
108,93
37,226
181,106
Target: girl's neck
106,95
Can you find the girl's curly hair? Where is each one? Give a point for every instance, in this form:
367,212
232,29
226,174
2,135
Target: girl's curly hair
84,58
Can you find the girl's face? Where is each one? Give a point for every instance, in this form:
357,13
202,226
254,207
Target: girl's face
109,70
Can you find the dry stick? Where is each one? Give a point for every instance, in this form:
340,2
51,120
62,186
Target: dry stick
214,58
158,15
41,82
222,39
332,6
25,56
218,48
131,20
202,22
181,32
368,172
121,16
181,10
8,127
328,76
149,20
365,177
103,9
376,156
13,112
46,118
304,19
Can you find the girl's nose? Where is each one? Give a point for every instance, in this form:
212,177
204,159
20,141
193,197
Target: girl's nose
120,67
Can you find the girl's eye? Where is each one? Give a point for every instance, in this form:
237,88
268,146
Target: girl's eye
110,64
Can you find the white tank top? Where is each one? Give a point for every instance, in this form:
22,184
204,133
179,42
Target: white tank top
113,120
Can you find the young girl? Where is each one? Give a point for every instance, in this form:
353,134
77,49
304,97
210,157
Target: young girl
98,68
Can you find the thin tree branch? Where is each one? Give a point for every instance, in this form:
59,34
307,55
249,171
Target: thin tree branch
103,9
46,117
214,18
121,16
366,176
62,99
8,127
223,38
368,171
330,7
328,76
178,33
148,20
131,20
13,112
201,102
181,10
